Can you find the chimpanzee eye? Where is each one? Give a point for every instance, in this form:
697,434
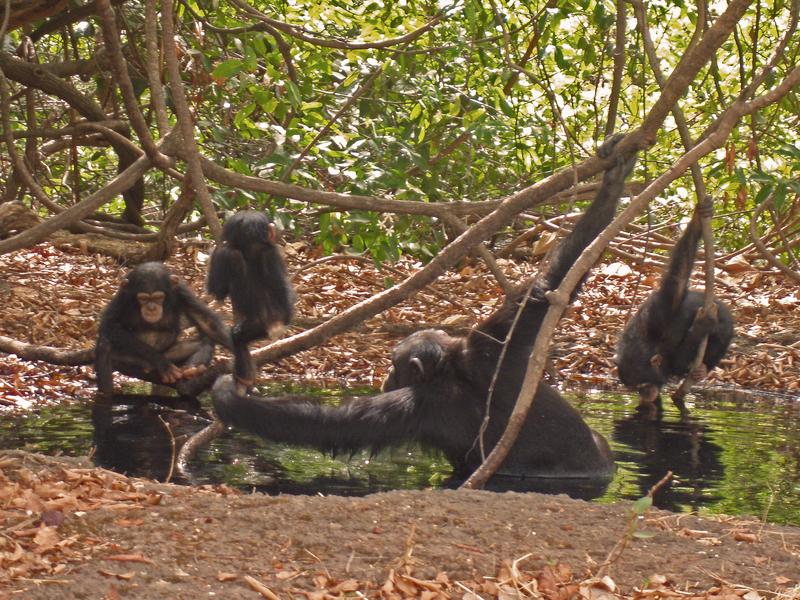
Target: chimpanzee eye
143,297
158,297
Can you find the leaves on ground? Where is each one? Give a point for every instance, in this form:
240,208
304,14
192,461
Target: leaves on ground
53,298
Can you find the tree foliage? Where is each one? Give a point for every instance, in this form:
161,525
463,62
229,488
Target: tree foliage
418,101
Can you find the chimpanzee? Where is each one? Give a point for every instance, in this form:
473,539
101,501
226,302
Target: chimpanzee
436,392
663,337
140,327
249,268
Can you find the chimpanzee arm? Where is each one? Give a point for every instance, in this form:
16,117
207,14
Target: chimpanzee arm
103,368
371,422
596,217
227,265
202,317
671,292
272,272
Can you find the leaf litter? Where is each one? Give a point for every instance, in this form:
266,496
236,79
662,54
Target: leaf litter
68,530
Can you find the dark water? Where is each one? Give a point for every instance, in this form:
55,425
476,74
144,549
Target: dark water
738,453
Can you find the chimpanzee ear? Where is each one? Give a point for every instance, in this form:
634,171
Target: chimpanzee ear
174,279
418,369
271,234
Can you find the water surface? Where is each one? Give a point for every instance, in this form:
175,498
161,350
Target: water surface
738,453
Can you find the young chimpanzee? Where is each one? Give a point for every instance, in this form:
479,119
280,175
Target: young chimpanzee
437,391
140,327
249,268
663,337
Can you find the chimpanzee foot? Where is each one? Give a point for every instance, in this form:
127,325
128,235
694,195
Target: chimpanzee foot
276,330
606,149
243,386
193,371
706,207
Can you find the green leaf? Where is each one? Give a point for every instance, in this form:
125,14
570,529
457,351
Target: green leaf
642,504
294,94
228,68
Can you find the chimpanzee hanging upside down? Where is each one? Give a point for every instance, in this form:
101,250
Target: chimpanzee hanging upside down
436,392
140,327
249,268
664,336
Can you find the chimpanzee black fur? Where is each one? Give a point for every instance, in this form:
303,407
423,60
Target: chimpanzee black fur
248,267
139,330
663,337
436,392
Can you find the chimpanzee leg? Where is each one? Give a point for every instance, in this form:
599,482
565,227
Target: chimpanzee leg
192,355
242,334
103,368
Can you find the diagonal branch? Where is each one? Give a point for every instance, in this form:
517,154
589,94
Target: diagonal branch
713,140
190,152
300,34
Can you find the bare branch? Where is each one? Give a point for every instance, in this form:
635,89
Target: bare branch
90,204
619,69
123,80
762,247
301,34
712,141
190,152
54,356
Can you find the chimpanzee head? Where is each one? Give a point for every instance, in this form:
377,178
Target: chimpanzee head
419,358
248,227
152,285
641,370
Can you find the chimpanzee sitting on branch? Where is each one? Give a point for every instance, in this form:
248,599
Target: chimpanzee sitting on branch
437,391
248,267
663,337
139,330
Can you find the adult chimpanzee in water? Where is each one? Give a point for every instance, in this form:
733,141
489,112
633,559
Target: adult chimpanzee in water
249,268
437,391
140,327
663,337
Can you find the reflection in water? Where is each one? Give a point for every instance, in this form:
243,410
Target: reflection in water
139,435
737,454
681,446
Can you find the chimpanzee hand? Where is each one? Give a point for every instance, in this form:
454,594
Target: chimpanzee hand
624,163
705,207
170,374
704,322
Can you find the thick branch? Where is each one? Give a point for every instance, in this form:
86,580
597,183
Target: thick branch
54,356
712,141
190,151
86,207
762,247
37,77
299,34
123,80
619,69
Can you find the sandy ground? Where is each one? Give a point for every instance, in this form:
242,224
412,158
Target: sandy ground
137,539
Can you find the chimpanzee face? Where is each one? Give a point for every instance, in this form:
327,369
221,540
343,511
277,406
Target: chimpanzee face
151,306
641,369
152,285
417,358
